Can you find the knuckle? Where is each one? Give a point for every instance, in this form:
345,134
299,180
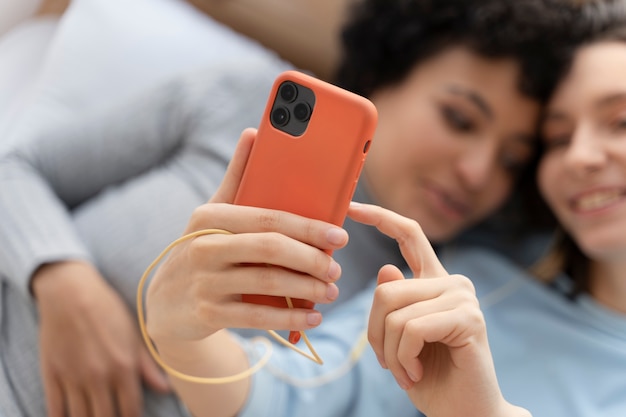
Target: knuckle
383,294
463,282
415,326
321,263
93,370
394,322
296,321
207,216
309,231
267,280
204,309
318,289
473,322
373,338
122,363
199,215
269,245
258,318
269,220
197,248
410,228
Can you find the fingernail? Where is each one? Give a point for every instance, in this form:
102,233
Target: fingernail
355,204
413,378
332,292
334,270
336,236
313,319
405,385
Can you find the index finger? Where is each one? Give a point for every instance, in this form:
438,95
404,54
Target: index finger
414,245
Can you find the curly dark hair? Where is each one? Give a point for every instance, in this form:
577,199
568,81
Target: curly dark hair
385,39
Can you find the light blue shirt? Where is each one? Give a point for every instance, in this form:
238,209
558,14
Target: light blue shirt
553,356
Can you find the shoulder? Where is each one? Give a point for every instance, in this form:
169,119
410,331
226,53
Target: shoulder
232,77
486,268
498,279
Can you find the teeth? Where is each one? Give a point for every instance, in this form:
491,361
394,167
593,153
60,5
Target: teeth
598,200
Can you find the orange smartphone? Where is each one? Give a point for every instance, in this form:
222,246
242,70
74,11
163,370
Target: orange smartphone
308,155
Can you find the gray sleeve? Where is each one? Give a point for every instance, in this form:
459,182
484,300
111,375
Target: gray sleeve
43,178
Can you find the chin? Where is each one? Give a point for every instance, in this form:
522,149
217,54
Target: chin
606,253
604,247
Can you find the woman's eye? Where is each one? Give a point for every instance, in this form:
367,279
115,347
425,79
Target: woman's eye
457,120
514,163
553,142
619,124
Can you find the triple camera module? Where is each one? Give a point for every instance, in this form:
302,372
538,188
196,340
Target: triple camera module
292,108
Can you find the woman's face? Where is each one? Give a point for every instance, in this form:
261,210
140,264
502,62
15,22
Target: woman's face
582,174
451,139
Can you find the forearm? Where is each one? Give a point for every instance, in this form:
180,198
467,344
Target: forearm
514,411
304,32
36,229
44,176
215,357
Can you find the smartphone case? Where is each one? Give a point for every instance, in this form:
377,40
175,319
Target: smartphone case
313,174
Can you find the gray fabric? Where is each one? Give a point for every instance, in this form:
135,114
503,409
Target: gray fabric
114,189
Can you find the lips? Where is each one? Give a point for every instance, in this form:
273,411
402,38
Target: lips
597,200
450,202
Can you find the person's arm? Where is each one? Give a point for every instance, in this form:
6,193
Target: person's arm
90,349
303,32
429,331
44,177
195,294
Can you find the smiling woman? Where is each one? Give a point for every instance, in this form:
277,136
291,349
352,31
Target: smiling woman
462,129
583,171
458,98
458,85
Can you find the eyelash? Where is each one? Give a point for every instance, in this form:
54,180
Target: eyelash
551,143
619,124
457,120
513,164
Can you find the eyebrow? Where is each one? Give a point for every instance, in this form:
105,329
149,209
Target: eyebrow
472,96
598,105
610,99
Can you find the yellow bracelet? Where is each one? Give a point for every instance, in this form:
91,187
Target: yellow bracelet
202,380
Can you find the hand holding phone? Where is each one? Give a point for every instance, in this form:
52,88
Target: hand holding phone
310,148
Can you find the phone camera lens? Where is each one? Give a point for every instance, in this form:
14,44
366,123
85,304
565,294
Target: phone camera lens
288,92
280,116
302,111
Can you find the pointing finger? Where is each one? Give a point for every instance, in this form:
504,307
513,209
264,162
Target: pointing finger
414,246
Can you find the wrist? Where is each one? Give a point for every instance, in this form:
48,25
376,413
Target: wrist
510,410
59,278
186,355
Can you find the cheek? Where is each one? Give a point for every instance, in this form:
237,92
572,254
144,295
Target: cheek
547,178
400,145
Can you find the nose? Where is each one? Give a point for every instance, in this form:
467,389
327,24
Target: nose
585,152
477,165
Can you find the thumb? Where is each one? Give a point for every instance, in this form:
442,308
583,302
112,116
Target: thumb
228,188
151,373
389,273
